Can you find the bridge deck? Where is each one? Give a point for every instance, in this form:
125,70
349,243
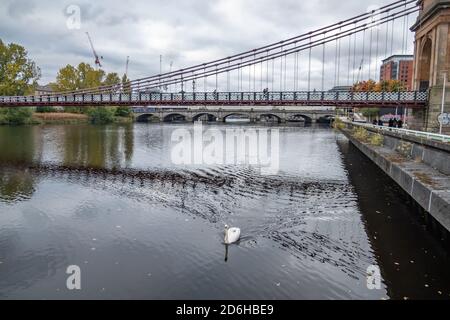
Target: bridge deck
410,99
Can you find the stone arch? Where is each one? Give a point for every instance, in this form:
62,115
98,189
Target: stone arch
147,117
174,117
270,117
205,116
328,118
299,118
425,64
237,114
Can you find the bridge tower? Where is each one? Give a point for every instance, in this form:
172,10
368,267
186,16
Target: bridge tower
432,61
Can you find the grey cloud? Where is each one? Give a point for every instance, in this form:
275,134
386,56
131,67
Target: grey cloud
19,8
185,32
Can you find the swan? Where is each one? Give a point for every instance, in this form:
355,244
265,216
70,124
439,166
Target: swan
232,235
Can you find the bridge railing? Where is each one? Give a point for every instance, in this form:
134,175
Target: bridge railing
294,96
418,134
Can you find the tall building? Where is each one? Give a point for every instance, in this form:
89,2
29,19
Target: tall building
43,90
398,67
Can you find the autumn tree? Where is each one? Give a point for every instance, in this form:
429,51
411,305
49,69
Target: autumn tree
84,76
382,86
364,86
18,73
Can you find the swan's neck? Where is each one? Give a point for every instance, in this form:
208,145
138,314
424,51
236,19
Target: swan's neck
226,236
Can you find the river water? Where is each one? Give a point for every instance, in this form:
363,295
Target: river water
112,201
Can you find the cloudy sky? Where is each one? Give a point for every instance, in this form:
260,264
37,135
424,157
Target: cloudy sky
185,32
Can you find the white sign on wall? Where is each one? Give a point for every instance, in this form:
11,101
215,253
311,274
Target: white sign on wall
444,119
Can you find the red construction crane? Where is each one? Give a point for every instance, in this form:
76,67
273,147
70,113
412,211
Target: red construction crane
97,58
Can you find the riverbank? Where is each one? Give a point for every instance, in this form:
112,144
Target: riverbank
61,118
419,167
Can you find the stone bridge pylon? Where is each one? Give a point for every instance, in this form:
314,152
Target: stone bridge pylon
432,62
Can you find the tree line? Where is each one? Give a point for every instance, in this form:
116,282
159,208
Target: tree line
19,75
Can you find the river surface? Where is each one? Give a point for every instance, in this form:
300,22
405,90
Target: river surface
116,202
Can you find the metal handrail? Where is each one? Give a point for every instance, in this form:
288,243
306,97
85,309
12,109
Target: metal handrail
290,96
419,134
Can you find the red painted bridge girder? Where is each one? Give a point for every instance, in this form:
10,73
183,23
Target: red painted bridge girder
325,103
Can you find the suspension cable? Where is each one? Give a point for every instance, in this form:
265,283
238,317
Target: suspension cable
173,74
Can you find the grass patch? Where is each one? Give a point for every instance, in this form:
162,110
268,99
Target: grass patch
61,118
360,134
376,140
338,124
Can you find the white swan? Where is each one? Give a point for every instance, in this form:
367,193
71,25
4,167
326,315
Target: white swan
232,235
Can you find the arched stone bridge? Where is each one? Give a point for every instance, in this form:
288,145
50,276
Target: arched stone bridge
220,115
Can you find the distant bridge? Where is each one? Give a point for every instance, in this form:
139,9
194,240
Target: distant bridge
278,115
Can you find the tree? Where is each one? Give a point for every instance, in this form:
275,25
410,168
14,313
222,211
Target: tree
112,79
67,79
101,115
364,86
126,85
83,76
370,113
123,111
18,73
382,86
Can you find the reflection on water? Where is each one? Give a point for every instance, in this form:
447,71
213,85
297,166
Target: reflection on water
110,200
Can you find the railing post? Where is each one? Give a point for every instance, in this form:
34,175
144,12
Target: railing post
194,96
281,96
171,96
182,95
308,96
120,97
229,96
337,96
415,96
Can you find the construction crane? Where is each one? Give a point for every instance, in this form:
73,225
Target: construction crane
97,58
126,67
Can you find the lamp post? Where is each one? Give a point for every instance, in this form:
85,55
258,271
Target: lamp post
443,102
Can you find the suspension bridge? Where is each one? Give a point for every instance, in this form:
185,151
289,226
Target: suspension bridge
294,71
